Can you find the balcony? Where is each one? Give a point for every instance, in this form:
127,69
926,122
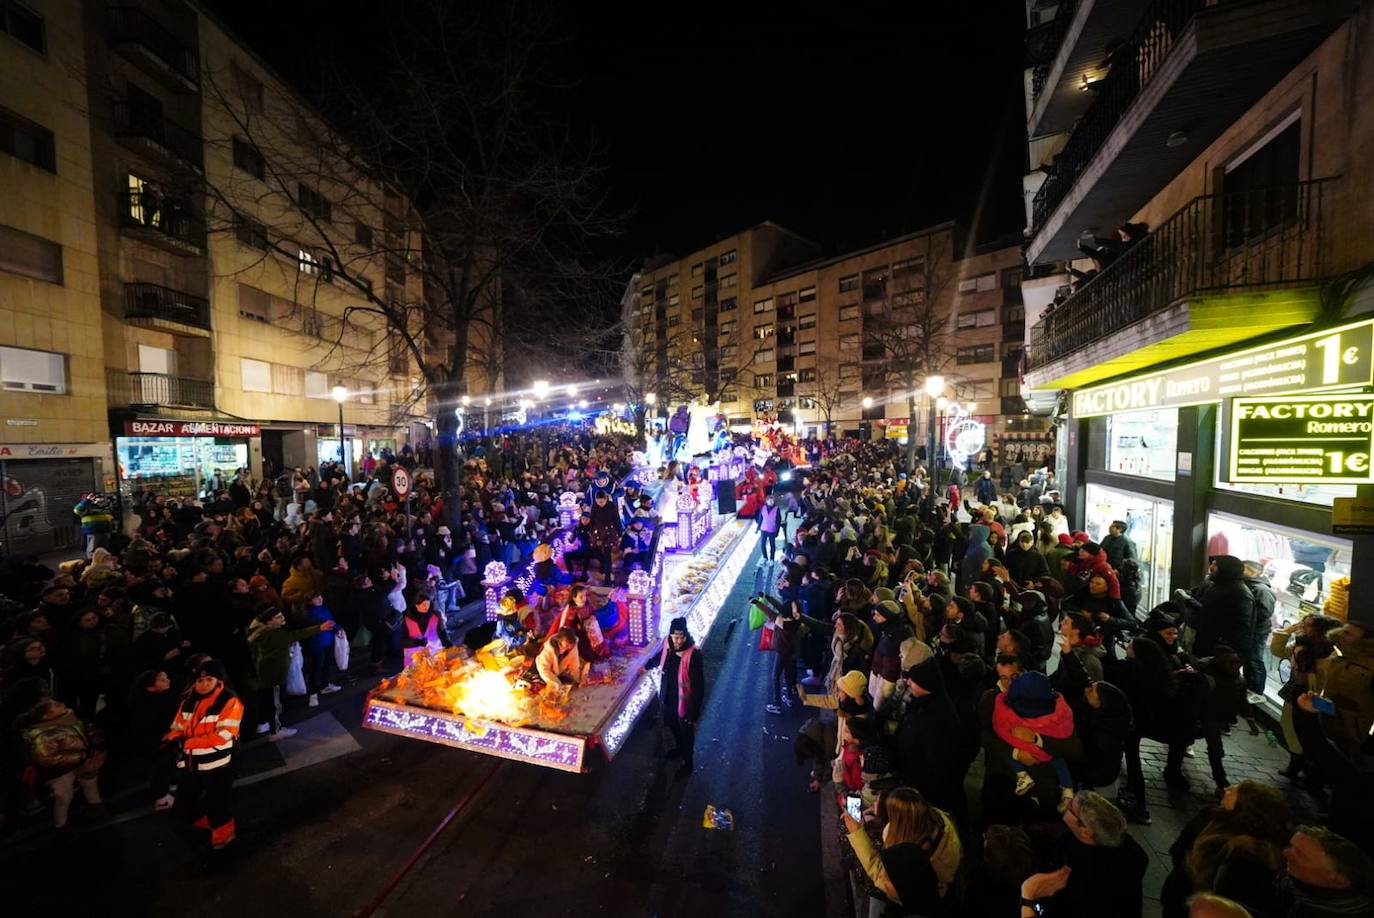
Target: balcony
1161,103
160,54
166,222
1225,268
148,390
155,305
158,137
1072,49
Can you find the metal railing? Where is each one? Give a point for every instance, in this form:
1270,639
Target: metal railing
135,388
1230,241
1049,44
130,25
151,301
185,145
172,217
1132,65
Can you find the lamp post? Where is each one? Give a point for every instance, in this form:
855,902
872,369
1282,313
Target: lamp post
934,386
341,395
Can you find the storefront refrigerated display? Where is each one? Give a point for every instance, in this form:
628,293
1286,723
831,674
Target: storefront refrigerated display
1150,527
1300,567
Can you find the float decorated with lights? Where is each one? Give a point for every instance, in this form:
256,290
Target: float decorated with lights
486,701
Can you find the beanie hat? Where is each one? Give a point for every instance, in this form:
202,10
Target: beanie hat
853,684
1065,539
927,675
678,626
1081,536
1031,695
212,668
1159,619
883,593
890,610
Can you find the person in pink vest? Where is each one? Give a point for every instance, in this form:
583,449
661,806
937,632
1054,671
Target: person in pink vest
682,687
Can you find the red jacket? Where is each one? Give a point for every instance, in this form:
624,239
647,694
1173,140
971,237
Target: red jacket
1058,724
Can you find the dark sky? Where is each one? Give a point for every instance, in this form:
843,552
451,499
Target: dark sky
845,122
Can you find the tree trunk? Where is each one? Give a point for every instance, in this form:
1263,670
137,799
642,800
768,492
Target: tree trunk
910,460
639,424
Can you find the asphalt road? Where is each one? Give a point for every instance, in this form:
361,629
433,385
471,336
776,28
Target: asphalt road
624,840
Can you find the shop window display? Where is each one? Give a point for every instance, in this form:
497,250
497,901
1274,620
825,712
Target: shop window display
1300,567
178,466
1321,494
1150,528
1143,443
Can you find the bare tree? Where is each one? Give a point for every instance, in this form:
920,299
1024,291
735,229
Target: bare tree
450,207
827,390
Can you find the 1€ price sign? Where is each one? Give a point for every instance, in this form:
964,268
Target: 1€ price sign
400,482
1302,439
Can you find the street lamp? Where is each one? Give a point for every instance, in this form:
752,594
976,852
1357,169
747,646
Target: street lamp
541,389
341,395
935,385
651,399
466,400
572,390
867,402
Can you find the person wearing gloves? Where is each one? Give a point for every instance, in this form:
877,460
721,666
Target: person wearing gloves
271,642
682,687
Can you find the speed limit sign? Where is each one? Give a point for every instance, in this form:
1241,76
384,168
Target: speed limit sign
400,482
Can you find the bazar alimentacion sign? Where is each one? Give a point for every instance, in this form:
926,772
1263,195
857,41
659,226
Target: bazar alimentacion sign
1334,358
1301,440
189,429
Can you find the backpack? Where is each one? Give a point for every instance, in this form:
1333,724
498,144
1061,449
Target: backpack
58,745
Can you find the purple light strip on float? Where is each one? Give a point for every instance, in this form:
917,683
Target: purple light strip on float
613,737
489,738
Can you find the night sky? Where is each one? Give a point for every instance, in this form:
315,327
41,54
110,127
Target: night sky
848,123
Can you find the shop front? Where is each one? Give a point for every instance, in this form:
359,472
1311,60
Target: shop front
179,458
40,483
1242,454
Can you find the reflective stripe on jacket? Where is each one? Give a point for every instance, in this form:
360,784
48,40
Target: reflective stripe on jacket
208,727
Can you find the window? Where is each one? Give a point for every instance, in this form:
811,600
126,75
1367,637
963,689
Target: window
763,404
982,353
728,304
366,394
1011,285
726,328
257,375
787,299
849,342
728,351
674,321
29,255
1013,315
763,380
763,305
909,271
696,270
980,319
316,384
849,312
698,315
674,299
968,285
981,284
908,298
307,262
255,303
248,158
806,347
727,281
26,370
697,291
24,140
806,295
250,89
314,203
764,355
362,234
807,321
672,278
874,350
1260,188
288,380
806,375
729,396
763,332
23,25
849,283
250,232
875,284
729,257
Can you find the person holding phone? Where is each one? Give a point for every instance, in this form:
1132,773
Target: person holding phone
904,880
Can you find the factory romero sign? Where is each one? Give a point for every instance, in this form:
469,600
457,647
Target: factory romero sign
1334,358
1302,439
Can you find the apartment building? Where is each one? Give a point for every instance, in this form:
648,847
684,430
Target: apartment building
54,436
184,252
1233,134
766,325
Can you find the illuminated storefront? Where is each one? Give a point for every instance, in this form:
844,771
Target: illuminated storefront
178,458
1240,454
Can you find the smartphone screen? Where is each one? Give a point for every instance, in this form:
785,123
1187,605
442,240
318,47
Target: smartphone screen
855,805
1324,705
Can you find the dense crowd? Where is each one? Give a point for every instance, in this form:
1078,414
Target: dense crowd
1008,637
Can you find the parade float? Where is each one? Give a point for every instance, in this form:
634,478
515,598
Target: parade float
489,700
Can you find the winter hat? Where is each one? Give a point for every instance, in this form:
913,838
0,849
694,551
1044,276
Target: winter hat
1065,539
443,531
1091,548
1080,537
853,684
258,582
212,668
889,610
1032,602
1161,616
1031,695
678,626
927,675
883,594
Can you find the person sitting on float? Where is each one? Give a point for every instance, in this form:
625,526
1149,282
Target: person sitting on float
560,665
515,620
579,617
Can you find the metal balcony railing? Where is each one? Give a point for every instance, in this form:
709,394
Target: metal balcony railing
1232,241
171,217
131,26
1048,45
176,140
1133,65
150,301
149,389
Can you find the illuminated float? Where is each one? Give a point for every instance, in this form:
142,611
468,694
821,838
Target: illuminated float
487,701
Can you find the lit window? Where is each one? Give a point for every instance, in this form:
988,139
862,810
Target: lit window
729,257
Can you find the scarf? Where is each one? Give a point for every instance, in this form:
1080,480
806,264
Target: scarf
684,675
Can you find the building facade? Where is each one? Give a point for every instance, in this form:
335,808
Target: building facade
183,258
764,324
1244,263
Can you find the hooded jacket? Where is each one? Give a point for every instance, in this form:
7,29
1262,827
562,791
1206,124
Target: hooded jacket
978,551
1227,615
930,766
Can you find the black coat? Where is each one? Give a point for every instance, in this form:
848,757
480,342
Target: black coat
925,763
1227,615
668,683
1102,731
